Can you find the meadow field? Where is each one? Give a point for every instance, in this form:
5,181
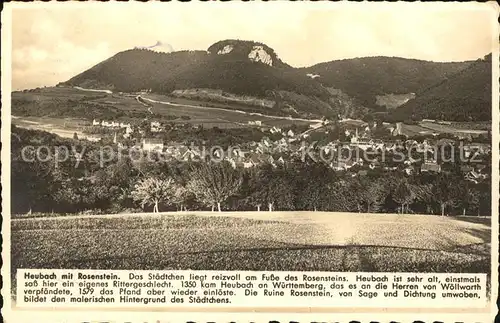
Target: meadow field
63,127
300,241
456,128
210,114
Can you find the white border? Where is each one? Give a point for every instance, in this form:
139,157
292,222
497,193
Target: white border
85,316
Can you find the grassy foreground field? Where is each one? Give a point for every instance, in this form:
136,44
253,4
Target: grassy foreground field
301,241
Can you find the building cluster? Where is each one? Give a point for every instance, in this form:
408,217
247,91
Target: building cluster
114,125
340,156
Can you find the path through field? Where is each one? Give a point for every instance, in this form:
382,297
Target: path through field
408,231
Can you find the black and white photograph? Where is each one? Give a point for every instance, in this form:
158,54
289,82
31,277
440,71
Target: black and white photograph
246,138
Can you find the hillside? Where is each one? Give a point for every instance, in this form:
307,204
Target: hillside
243,68
464,96
250,73
366,78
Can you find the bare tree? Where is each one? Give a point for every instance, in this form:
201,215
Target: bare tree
152,191
214,183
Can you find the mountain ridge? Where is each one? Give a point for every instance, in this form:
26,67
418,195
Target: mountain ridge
466,96
250,68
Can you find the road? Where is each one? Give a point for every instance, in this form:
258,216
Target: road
232,110
210,108
93,90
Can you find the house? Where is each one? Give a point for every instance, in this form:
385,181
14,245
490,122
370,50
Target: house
151,144
234,163
94,138
237,153
342,165
255,123
475,177
329,148
248,164
96,122
129,130
410,161
191,154
156,126
466,169
409,170
481,147
109,124
275,130
365,144
430,166
398,130
445,142
254,159
290,133
338,166
374,164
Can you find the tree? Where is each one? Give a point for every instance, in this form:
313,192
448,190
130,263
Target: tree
484,194
468,197
152,191
424,194
181,196
214,183
312,183
376,194
403,195
359,192
272,186
342,197
445,192
75,136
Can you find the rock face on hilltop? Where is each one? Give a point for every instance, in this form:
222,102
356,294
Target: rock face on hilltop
241,49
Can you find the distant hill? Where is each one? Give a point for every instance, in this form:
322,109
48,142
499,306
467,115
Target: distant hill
366,78
231,65
237,67
251,72
463,96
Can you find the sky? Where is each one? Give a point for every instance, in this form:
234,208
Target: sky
52,43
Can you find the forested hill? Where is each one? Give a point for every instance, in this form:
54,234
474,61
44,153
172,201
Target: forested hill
238,67
247,69
365,78
463,96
